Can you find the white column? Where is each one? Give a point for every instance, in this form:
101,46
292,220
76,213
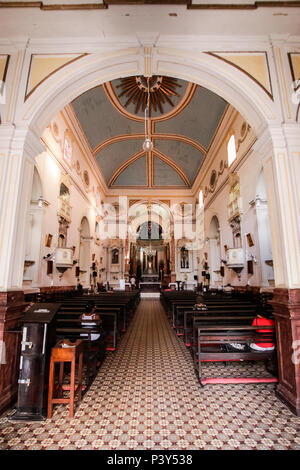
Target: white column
18,149
280,149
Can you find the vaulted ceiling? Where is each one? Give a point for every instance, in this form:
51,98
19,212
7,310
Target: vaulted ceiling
183,119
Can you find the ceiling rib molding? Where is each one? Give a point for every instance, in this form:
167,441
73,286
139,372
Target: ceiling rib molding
180,138
123,137
172,164
186,99
188,95
118,138
125,165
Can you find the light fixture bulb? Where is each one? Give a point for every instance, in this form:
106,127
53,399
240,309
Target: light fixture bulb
148,145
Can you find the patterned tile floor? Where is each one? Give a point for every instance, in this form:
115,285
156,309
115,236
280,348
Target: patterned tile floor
146,396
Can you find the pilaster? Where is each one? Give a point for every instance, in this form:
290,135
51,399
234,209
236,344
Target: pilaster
18,148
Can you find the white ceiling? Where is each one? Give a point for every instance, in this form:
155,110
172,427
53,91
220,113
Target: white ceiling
126,21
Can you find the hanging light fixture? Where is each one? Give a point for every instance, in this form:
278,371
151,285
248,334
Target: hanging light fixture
148,144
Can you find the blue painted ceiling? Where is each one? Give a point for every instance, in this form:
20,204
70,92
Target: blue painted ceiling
181,135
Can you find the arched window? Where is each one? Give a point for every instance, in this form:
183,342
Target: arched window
97,229
231,150
201,198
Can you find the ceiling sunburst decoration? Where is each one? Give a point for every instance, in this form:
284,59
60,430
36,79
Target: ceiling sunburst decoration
161,88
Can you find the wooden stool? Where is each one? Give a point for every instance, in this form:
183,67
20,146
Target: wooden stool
65,354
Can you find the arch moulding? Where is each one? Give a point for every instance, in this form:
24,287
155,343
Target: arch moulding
92,70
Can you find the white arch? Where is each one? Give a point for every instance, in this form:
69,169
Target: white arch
94,69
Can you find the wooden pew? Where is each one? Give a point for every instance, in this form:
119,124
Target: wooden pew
223,310
124,302
171,299
212,337
213,319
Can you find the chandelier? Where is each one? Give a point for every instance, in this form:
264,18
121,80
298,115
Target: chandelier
148,144
149,251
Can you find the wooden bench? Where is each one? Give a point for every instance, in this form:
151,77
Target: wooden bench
190,316
125,303
180,322
111,317
212,337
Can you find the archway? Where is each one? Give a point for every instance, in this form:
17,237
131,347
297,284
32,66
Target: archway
264,233
94,69
34,233
214,253
84,252
238,89
151,244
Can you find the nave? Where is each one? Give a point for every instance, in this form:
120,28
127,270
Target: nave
146,396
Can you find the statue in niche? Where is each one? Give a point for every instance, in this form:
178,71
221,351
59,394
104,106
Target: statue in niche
184,258
115,256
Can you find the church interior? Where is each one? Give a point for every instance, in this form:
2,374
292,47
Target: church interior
149,222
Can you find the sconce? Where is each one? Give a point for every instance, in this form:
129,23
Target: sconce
257,201
40,202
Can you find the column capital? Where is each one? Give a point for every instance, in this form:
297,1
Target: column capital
19,139
292,136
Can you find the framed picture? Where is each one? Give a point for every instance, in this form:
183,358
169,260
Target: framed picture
250,239
67,154
48,240
49,267
250,266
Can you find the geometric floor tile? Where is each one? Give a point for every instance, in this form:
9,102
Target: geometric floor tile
146,396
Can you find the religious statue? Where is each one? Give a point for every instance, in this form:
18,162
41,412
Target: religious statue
184,258
115,256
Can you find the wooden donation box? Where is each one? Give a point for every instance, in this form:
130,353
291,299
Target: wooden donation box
38,337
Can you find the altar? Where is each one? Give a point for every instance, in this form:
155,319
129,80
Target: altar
150,285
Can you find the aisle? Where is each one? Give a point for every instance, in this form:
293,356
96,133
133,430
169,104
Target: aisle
146,396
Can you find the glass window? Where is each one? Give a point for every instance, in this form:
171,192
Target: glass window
231,151
201,198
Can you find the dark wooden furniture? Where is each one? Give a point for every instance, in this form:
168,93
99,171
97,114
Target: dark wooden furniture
62,355
191,316
38,336
211,338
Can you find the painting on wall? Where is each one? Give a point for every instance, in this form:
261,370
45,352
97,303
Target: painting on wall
67,155
184,258
115,256
250,239
48,240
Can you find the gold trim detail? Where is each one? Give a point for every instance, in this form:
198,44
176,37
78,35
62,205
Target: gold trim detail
28,94
215,54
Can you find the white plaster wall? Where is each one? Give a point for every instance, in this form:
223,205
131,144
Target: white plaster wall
52,169
248,167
